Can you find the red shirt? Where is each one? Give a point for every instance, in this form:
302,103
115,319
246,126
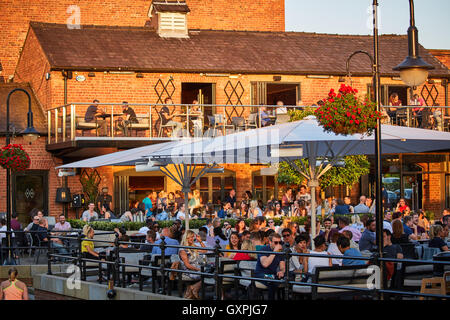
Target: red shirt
403,208
242,256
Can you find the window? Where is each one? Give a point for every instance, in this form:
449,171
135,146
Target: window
172,24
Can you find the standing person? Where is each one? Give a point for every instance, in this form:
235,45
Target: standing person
194,202
15,224
13,289
271,266
302,194
130,117
362,207
231,198
154,199
341,208
148,205
348,202
179,199
92,114
287,199
90,215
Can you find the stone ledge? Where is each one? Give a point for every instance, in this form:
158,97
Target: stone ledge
91,291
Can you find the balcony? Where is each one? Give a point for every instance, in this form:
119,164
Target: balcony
156,123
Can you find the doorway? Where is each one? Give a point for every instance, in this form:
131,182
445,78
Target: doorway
30,190
204,93
402,92
286,92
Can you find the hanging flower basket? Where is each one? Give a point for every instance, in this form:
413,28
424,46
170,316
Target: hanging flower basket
344,113
14,157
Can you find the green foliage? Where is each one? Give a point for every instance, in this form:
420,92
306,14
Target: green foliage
134,226
297,115
355,166
90,182
429,215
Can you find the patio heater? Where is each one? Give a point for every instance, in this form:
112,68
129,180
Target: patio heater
30,134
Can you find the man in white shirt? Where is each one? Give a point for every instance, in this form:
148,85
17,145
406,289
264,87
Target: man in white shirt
280,108
361,207
90,215
181,215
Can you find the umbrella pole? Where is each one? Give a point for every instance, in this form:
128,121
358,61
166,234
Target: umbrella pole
313,184
186,190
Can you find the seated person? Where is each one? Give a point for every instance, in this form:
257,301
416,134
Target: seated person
398,235
408,227
247,245
169,240
161,214
127,217
106,213
149,240
320,249
130,117
437,235
265,120
392,251
271,266
343,244
92,112
368,237
167,118
90,215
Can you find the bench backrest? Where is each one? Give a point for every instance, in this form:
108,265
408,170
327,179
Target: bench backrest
351,276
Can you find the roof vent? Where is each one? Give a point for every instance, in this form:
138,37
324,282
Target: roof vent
169,18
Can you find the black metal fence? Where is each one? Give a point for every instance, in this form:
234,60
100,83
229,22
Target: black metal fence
159,269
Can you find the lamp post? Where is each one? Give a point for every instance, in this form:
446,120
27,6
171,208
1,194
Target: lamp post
30,134
413,71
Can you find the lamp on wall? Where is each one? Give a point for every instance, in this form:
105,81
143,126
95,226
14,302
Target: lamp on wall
63,195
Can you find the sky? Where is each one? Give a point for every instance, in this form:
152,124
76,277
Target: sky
355,17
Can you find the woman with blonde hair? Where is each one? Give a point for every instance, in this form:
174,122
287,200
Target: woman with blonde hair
87,246
190,259
247,245
437,236
252,211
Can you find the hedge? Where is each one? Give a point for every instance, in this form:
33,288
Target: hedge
193,224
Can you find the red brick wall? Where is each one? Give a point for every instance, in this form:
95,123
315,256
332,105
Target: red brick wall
442,55
263,15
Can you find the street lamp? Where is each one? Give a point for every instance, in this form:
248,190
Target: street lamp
413,70
30,134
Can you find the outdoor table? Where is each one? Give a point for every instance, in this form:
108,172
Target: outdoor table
109,115
188,115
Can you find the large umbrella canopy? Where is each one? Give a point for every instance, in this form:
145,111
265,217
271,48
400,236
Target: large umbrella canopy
123,158
261,145
296,140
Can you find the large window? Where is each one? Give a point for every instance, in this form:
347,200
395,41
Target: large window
264,187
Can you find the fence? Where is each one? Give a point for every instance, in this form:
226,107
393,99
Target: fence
117,268
67,122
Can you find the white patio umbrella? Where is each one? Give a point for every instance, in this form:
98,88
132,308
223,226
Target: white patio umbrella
296,140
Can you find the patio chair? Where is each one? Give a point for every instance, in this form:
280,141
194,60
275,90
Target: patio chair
162,126
220,121
238,123
251,122
143,123
82,125
401,116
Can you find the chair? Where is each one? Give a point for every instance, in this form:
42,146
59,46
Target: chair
82,125
162,126
436,285
238,123
220,121
143,123
130,256
401,116
252,121
428,253
282,118
226,267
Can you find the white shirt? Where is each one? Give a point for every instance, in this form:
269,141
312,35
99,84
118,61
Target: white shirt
314,262
182,215
3,234
334,250
388,226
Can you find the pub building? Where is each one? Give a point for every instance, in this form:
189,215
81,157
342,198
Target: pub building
181,51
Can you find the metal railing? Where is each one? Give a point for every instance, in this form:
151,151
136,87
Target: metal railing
116,267
67,122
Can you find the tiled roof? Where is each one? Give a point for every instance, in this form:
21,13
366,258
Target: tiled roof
18,109
141,49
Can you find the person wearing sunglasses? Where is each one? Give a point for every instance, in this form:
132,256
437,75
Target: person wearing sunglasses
271,225
271,266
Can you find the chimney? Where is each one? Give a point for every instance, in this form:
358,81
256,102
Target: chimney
169,18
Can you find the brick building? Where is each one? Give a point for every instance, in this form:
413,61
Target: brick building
229,53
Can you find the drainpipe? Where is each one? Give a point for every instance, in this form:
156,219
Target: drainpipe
65,76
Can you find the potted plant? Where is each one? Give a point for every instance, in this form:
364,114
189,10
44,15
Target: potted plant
344,113
14,157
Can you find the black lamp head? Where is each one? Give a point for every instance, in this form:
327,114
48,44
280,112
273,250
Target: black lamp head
30,134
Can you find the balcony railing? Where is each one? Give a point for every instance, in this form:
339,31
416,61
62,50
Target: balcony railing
167,121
